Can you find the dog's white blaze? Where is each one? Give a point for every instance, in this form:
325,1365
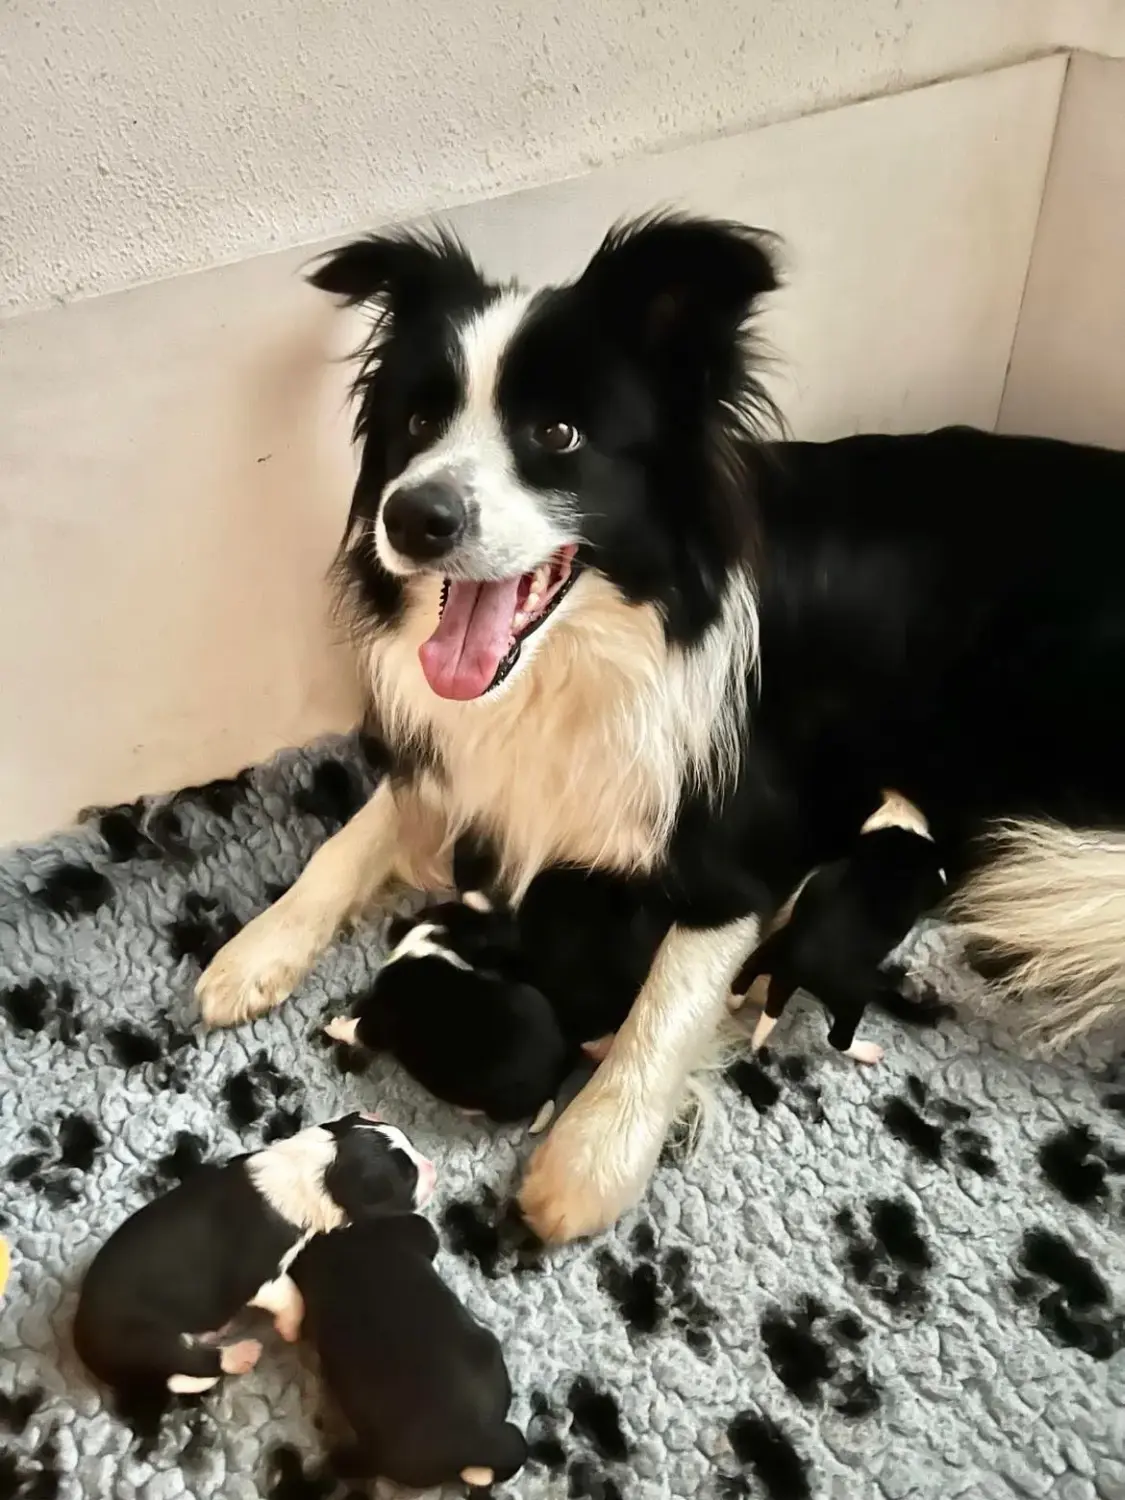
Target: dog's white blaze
290,1177
477,901
517,528
419,943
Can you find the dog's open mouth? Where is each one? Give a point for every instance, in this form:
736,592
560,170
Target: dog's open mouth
482,626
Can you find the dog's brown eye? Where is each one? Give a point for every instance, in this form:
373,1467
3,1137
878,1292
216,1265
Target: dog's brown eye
420,425
557,437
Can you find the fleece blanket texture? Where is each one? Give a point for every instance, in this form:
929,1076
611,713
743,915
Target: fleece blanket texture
902,1283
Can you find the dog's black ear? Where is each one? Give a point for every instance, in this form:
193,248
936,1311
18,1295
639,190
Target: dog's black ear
403,272
667,277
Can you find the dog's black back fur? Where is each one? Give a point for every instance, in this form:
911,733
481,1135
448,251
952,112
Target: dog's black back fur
940,613
422,1384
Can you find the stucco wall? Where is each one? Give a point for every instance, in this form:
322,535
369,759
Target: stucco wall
1068,366
174,459
142,139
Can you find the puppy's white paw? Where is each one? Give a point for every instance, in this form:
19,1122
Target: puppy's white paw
342,1029
287,1320
257,969
869,1053
240,1358
598,1050
594,1165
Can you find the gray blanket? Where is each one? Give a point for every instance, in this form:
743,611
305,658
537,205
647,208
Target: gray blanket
902,1282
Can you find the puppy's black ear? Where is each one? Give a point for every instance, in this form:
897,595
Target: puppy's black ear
404,273
665,278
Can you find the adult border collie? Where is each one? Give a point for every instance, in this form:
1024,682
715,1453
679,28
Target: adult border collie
605,621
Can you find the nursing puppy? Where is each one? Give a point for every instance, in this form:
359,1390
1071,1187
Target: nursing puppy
450,1006
586,939
846,919
423,1386
161,1291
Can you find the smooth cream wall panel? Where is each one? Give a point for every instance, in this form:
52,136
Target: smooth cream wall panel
1068,366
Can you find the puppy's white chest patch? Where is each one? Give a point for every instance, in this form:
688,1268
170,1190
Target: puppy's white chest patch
421,942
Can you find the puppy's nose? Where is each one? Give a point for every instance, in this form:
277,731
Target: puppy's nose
425,521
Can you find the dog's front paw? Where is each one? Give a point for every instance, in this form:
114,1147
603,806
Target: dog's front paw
593,1167
257,969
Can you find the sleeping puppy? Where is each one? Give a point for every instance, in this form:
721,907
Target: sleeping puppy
843,923
447,1006
422,1384
161,1291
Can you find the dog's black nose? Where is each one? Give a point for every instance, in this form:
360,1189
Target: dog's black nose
425,521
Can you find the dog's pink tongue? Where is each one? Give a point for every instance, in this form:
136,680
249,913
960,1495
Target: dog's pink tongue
464,653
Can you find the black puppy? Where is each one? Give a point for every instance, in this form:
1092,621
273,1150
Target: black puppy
845,920
422,1384
449,1007
586,938
161,1291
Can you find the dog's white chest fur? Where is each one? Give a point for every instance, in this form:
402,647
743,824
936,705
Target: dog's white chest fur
584,753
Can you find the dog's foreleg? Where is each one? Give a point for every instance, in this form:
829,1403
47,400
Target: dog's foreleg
599,1156
259,967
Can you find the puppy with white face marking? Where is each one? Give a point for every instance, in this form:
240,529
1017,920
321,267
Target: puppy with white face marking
450,1006
844,921
162,1289
422,1384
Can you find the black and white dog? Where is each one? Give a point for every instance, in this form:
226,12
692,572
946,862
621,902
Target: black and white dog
158,1296
606,623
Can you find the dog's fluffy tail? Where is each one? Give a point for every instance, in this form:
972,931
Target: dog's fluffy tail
1047,914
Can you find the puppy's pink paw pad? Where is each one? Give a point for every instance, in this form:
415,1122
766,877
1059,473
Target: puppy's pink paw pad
240,1358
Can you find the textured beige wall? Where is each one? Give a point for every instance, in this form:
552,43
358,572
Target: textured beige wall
143,139
1068,366
174,463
